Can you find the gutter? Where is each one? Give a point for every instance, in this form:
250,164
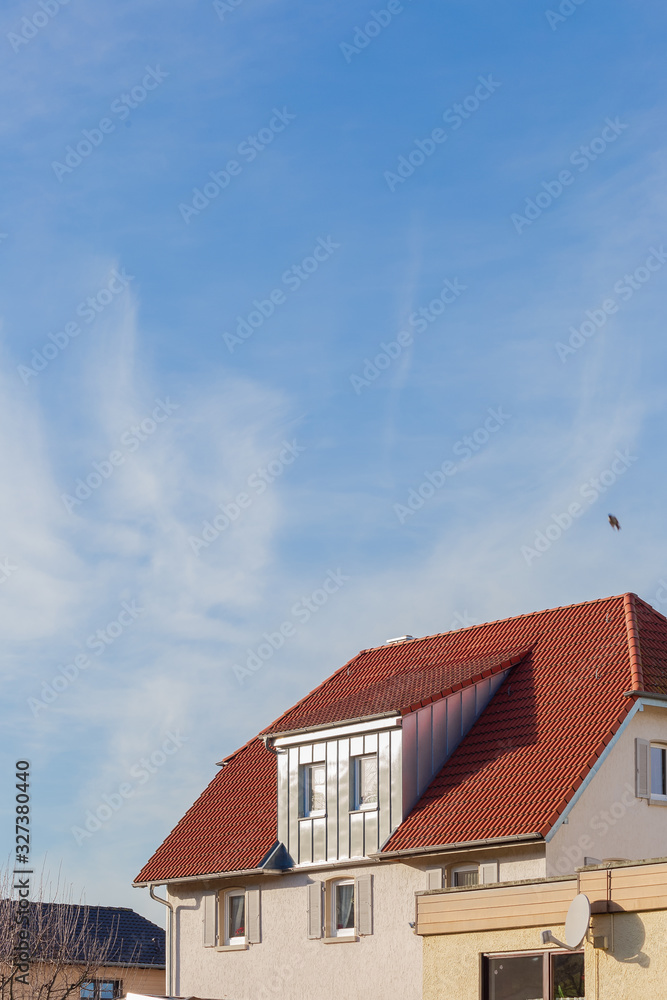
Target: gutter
649,695
205,878
516,838
332,725
169,977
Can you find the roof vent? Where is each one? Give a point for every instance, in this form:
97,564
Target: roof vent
399,638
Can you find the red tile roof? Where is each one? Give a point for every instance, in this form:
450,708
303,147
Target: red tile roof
513,773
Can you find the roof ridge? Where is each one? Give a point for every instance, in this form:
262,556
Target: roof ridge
632,627
497,621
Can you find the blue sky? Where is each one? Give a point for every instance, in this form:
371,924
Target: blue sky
389,375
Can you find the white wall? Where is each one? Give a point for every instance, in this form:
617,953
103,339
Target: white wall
609,821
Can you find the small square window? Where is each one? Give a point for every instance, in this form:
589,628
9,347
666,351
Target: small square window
313,790
101,989
365,779
658,770
342,898
467,875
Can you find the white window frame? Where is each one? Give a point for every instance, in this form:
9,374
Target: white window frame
655,745
462,870
306,786
357,805
239,940
344,932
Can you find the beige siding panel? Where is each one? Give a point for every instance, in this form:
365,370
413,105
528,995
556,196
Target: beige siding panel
371,743
344,798
332,800
356,835
306,754
293,845
396,779
370,832
439,734
494,909
305,841
319,752
409,761
453,722
320,839
384,786
356,746
283,798
424,748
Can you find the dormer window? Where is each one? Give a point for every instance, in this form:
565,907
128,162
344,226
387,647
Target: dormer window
313,790
365,782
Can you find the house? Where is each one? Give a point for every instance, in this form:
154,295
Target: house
85,952
485,942
509,751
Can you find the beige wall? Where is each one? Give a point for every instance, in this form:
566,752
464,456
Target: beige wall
608,821
298,967
288,965
635,968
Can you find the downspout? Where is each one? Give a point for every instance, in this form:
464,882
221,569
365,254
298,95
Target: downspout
169,949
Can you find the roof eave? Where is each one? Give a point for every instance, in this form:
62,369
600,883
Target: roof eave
208,877
513,838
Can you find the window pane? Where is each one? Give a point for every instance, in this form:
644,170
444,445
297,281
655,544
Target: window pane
567,976
318,789
237,916
658,771
344,907
106,990
368,781
466,878
516,978
87,991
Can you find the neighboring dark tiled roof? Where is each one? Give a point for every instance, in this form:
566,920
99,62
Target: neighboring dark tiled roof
515,771
132,939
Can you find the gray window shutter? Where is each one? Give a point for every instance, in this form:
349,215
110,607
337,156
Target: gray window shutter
210,919
435,879
488,872
315,910
643,769
363,902
253,915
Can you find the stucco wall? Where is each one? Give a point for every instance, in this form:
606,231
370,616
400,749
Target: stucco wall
609,821
288,966
635,968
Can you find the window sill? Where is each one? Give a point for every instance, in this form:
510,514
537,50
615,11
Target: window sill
232,947
658,800
365,809
343,939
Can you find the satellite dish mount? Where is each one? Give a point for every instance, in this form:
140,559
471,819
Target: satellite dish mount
576,924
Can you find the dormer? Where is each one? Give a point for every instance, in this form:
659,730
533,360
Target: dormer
345,786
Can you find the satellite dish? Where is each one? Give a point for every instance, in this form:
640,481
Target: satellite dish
576,924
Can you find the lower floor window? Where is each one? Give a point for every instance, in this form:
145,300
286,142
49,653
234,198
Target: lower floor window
343,907
101,989
235,918
543,975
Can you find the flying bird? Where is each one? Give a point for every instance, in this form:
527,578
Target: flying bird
614,522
